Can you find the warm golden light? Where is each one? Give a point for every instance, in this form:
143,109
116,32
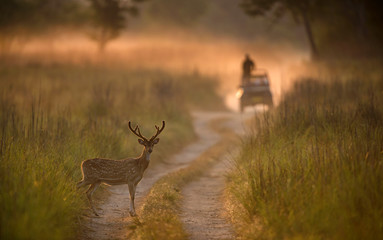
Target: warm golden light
239,93
180,52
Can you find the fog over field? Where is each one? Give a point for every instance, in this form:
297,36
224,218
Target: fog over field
212,56
212,41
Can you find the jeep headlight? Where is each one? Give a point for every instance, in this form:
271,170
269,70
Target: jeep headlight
239,93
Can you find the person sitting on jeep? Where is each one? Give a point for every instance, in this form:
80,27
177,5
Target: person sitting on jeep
247,66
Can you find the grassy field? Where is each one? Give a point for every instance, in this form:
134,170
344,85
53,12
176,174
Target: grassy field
312,169
54,116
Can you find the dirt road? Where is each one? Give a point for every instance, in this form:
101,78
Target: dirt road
202,210
114,219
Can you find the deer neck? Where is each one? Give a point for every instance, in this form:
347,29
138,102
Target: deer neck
145,155
144,160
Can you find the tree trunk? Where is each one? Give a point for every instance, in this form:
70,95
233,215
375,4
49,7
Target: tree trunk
362,22
103,40
358,18
308,29
101,45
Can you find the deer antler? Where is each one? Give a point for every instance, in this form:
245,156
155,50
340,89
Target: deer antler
158,130
136,131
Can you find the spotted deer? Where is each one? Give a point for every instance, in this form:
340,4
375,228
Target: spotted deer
116,172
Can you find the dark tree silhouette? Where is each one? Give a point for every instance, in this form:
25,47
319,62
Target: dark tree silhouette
110,18
184,13
23,18
301,10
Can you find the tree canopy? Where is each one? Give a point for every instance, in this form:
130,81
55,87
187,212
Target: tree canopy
177,12
109,18
23,18
345,24
301,10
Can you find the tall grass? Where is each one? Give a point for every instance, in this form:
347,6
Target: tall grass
52,118
313,170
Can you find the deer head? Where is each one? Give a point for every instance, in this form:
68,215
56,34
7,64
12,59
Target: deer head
148,144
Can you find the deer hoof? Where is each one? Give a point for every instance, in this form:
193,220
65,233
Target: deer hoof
95,213
132,213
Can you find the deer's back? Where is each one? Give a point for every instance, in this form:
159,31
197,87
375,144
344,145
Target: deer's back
110,171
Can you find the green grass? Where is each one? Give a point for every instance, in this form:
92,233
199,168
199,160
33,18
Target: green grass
53,117
314,170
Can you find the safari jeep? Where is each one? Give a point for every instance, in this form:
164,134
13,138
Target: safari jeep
255,90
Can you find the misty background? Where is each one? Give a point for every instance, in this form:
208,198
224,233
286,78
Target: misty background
202,36
338,25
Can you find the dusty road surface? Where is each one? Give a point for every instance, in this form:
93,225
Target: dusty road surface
202,212
114,219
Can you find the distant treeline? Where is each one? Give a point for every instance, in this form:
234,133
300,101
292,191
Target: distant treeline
103,20
333,28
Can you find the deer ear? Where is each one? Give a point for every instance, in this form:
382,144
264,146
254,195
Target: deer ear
155,141
140,141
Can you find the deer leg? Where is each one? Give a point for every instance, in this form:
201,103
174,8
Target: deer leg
132,192
89,194
80,184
